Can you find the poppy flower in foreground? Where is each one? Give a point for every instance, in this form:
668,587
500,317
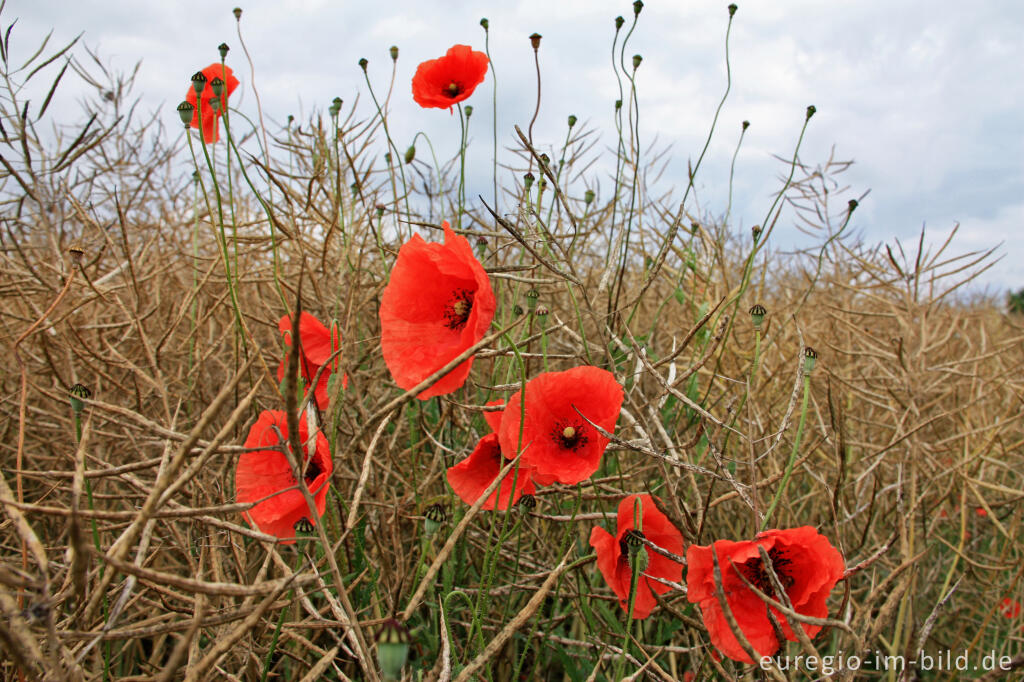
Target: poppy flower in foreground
316,345
264,471
471,477
442,82
807,565
437,304
1010,608
558,444
613,554
209,116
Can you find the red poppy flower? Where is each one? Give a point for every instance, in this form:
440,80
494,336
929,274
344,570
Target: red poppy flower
470,477
1010,608
437,304
316,345
613,557
557,443
209,116
807,565
264,471
442,82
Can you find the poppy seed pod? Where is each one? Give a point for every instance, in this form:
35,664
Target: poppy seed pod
588,197
335,107
572,120
517,310
433,518
481,247
527,503
637,60
636,552
852,204
757,313
237,12
185,110
380,209
387,158
410,154
535,40
217,85
76,253
198,81
362,63
215,105
810,111
637,6
469,110
618,104
223,50
531,299
619,21
732,9
78,394
486,24
303,526
745,125
810,359
392,649
394,52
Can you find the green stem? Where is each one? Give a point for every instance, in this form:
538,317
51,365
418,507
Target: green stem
792,457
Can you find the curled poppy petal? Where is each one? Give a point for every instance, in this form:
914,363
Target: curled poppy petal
316,346
806,563
471,477
557,442
613,557
202,106
438,303
440,83
264,475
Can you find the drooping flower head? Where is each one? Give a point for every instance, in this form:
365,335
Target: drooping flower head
264,472
472,476
558,444
442,82
438,303
806,563
316,345
203,107
613,553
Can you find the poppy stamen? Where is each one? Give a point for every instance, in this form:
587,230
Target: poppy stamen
755,571
569,436
312,471
456,313
453,89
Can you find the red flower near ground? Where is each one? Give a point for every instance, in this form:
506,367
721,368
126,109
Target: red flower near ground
557,443
438,303
613,557
1010,608
470,477
316,345
264,471
807,565
442,82
203,107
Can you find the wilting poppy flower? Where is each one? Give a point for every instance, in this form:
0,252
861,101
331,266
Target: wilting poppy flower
437,304
807,565
316,345
442,82
209,116
613,554
557,443
1010,608
264,471
470,477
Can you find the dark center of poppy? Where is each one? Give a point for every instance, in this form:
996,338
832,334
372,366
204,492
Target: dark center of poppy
312,471
453,89
755,571
569,436
457,311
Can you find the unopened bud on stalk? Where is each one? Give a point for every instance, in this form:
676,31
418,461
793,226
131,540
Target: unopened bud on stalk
223,49
757,313
810,359
637,60
528,181
588,197
394,52
433,518
78,394
469,110
756,232
410,154
535,40
198,81
572,120
392,649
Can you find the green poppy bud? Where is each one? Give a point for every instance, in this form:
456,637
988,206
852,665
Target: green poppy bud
410,154
637,60
756,232
572,120
517,310
588,197
469,110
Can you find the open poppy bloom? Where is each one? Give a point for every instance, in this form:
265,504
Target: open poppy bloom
471,477
437,304
613,553
316,345
558,444
204,108
264,472
806,563
1010,608
442,82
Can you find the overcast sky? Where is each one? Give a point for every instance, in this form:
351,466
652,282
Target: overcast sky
925,96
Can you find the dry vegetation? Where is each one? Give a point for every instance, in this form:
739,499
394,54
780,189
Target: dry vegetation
124,556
